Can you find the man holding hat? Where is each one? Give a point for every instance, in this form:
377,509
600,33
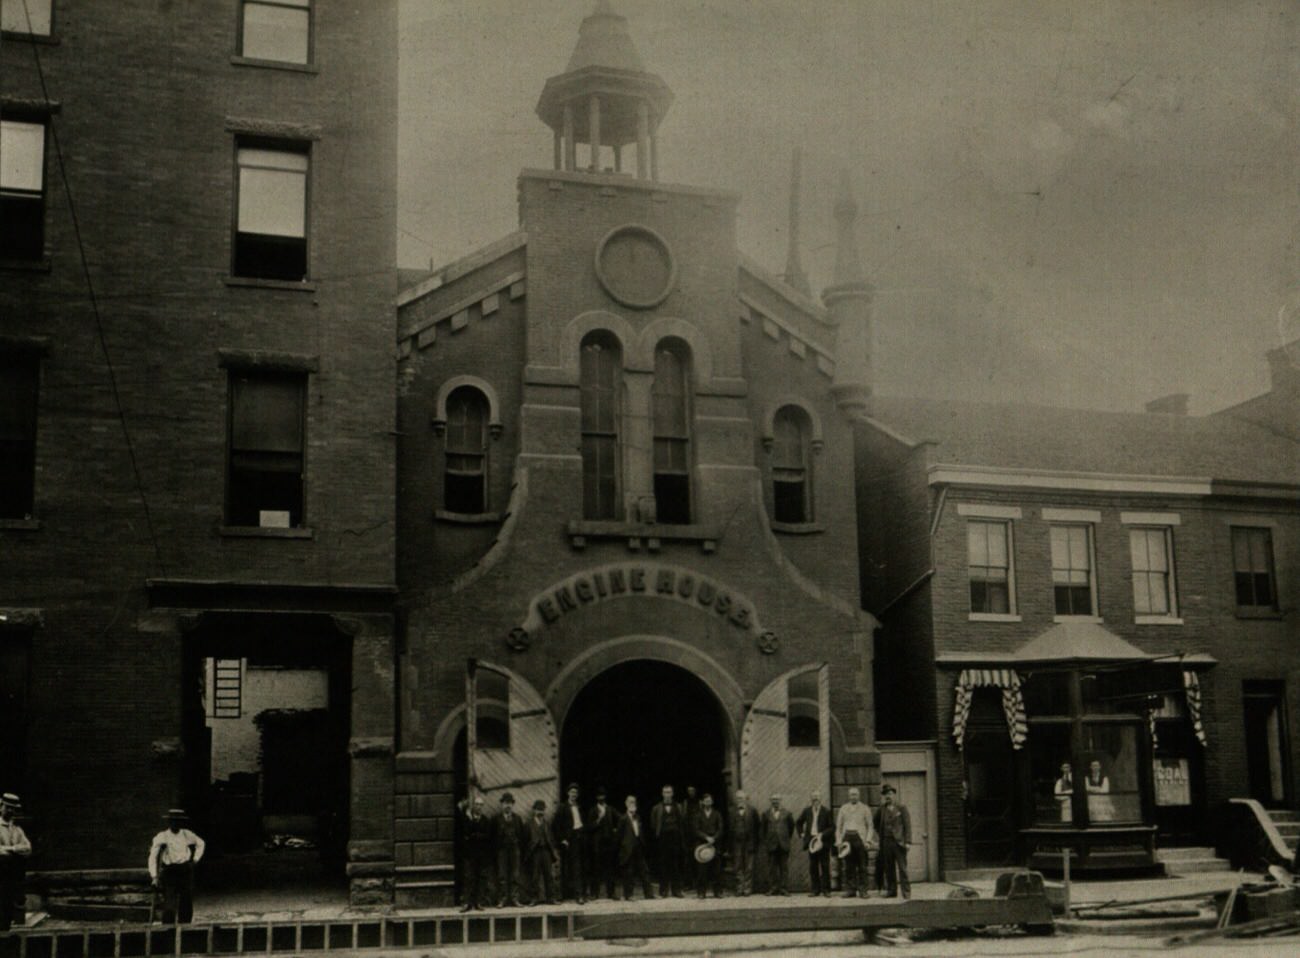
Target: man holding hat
511,836
602,820
817,829
15,849
571,837
708,846
541,855
894,826
853,828
172,856
631,851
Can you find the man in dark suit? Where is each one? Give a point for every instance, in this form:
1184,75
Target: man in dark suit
778,830
512,838
571,838
542,855
817,830
692,806
708,831
631,851
476,863
894,826
669,827
602,822
744,834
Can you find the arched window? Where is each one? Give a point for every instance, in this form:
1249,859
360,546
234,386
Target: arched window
464,485
672,432
791,466
600,378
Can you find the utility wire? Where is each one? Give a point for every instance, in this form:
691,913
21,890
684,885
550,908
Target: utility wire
90,289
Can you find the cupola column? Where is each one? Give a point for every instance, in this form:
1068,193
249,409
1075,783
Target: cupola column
570,147
654,152
593,124
848,303
642,139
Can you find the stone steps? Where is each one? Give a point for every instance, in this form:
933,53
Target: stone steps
1187,861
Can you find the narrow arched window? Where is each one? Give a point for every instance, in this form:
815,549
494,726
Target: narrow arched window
464,485
672,432
791,466
601,365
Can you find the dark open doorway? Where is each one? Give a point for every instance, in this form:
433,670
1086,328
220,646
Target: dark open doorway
641,725
267,721
1264,707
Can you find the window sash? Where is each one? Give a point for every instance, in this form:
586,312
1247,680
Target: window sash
266,413
1252,549
279,31
1150,552
22,158
272,193
34,18
600,476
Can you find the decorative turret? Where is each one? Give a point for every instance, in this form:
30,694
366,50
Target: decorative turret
795,277
848,301
606,99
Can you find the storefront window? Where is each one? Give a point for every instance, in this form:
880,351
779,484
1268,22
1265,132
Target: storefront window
1046,693
1051,768
1110,763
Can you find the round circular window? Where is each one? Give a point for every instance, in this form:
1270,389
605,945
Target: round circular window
635,266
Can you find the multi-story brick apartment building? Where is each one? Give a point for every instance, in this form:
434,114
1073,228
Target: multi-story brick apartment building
1065,587
196,416
625,504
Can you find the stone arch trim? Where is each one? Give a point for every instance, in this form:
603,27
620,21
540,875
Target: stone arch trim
483,386
667,327
584,323
769,419
564,688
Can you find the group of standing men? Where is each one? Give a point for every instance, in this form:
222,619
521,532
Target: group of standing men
599,850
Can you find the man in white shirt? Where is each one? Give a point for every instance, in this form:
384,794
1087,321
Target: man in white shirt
172,856
571,838
15,849
853,825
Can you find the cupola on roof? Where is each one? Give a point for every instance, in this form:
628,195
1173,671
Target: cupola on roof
605,99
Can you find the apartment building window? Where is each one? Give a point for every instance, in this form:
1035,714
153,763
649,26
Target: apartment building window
988,551
1072,573
22,190
277,30
601,387
1151,551
465,477
32,17
271,212
18,384
267,431
672,432
791,465
1252,563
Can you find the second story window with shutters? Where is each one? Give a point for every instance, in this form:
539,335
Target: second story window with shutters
601,387
672,432
465,476
791,466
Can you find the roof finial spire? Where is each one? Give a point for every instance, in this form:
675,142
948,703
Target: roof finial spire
848,265
795,277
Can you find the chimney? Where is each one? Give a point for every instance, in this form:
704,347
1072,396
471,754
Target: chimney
1175,404
1284,368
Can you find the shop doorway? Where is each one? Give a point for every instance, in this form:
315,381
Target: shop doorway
641,725
1264,704
991,783
268,714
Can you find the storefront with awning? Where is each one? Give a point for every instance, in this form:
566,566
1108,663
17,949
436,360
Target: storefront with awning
1078,742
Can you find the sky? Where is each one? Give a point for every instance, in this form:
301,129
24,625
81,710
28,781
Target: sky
1078,202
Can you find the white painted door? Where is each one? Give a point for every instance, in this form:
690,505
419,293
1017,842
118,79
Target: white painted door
785,750
513,745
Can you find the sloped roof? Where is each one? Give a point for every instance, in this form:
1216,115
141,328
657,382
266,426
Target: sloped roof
1077,640
1016,435
604,41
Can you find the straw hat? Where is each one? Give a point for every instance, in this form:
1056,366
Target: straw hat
815,845
842,850
705,853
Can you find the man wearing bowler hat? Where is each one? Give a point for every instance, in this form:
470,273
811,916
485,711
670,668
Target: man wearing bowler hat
511,836
541,855
172,857
15,849
602,821
894,826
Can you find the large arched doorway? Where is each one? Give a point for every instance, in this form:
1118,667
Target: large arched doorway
640,725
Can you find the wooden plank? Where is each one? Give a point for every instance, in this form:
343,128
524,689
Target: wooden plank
936,913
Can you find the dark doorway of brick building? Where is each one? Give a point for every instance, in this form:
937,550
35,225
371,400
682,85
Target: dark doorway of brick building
267,719
1264,704
641,725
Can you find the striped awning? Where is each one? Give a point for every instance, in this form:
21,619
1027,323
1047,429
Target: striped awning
1192,686
1013,702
